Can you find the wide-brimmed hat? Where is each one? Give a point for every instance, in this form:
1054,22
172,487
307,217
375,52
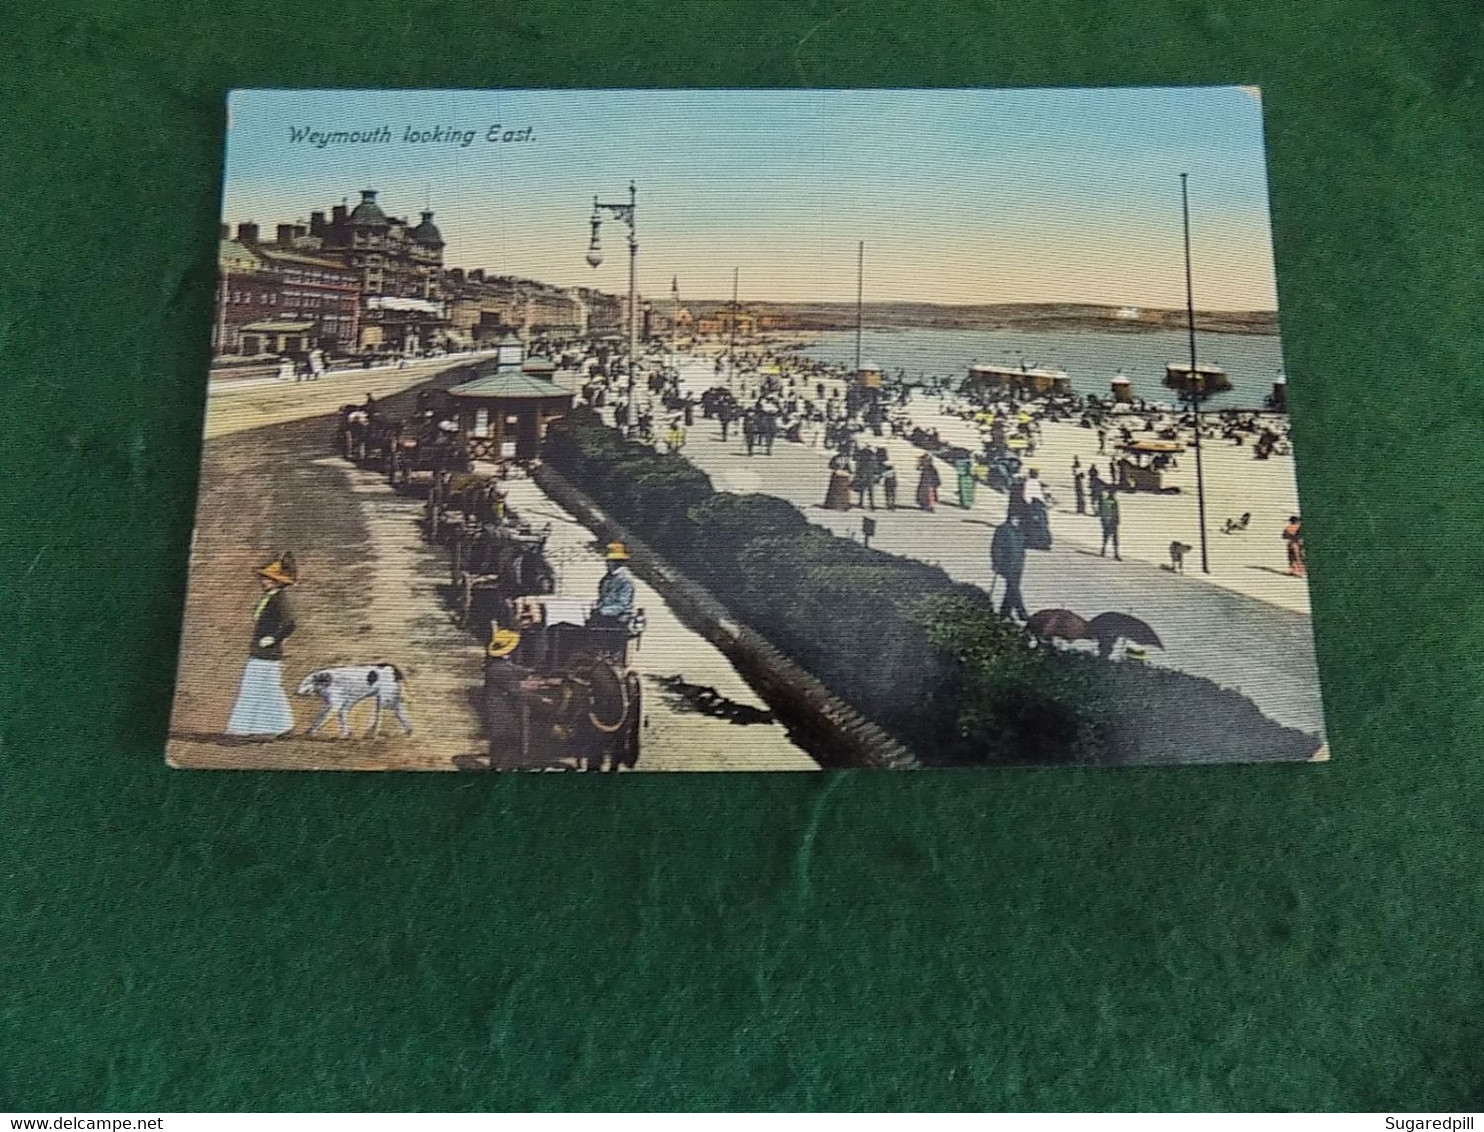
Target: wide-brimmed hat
282,569
617,552
503,642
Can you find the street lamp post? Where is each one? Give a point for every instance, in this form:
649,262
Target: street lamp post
626,213
1196,386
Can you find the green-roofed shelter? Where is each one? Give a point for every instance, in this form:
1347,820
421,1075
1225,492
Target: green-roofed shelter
504,416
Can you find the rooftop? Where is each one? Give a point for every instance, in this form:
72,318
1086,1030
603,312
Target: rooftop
513,385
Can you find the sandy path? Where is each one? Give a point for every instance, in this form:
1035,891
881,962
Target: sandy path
371,590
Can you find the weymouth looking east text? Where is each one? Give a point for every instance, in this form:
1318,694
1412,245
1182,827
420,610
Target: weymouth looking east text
410,135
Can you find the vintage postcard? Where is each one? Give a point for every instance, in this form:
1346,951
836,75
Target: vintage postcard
746,430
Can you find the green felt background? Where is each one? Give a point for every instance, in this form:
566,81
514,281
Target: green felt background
1278,937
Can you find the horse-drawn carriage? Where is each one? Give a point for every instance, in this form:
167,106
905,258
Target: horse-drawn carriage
461,499
559,689
429,444
719,401
364,435
495,561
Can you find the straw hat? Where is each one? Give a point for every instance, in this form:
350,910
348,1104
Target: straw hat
282,569
617,552
503,642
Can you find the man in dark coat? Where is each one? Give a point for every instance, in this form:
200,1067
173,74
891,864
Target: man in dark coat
1007,559
1108,515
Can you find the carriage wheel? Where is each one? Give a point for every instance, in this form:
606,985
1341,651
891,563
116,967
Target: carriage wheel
608,696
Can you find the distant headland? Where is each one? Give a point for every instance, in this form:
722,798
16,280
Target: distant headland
991,316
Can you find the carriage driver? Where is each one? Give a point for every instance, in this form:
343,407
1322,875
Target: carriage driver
615,607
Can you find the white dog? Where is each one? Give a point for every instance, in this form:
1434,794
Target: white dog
343,688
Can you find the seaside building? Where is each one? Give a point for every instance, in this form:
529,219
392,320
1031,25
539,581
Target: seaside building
277,299
400,268
483,308
361,281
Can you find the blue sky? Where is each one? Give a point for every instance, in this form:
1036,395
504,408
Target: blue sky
961,196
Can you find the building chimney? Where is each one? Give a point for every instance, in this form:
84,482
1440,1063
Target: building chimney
316,223
285,235
337,215
225,231
247,232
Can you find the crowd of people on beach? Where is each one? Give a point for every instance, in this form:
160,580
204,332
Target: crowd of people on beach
777,395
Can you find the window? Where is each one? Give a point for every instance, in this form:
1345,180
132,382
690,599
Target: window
481,423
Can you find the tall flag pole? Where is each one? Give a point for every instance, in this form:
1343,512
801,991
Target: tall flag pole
732,342
860,291
1195,380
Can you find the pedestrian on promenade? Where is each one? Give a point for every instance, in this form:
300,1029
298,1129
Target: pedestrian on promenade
888,478
726,412
1036,517
262,708
865,478
1102,440
1094,486
1033,490
1007,559
1108,516
675,438
1293,535
964,469
1079,489
767,424
928,482
749,429
837,494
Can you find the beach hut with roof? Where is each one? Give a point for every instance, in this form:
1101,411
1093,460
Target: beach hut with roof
1202,381
505,415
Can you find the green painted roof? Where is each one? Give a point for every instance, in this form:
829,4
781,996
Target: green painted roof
509,385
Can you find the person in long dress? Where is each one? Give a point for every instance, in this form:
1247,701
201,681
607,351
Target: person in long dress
837,495
928,481
262,708
966,484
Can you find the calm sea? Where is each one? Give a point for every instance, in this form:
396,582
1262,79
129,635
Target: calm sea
1091,357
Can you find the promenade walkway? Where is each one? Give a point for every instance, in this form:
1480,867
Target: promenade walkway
1257,647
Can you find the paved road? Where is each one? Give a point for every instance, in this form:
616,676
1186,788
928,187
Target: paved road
1264,652
371,589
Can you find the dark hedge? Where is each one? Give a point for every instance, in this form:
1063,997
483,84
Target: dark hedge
922,655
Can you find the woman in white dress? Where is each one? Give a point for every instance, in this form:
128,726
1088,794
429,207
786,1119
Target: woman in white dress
262,708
